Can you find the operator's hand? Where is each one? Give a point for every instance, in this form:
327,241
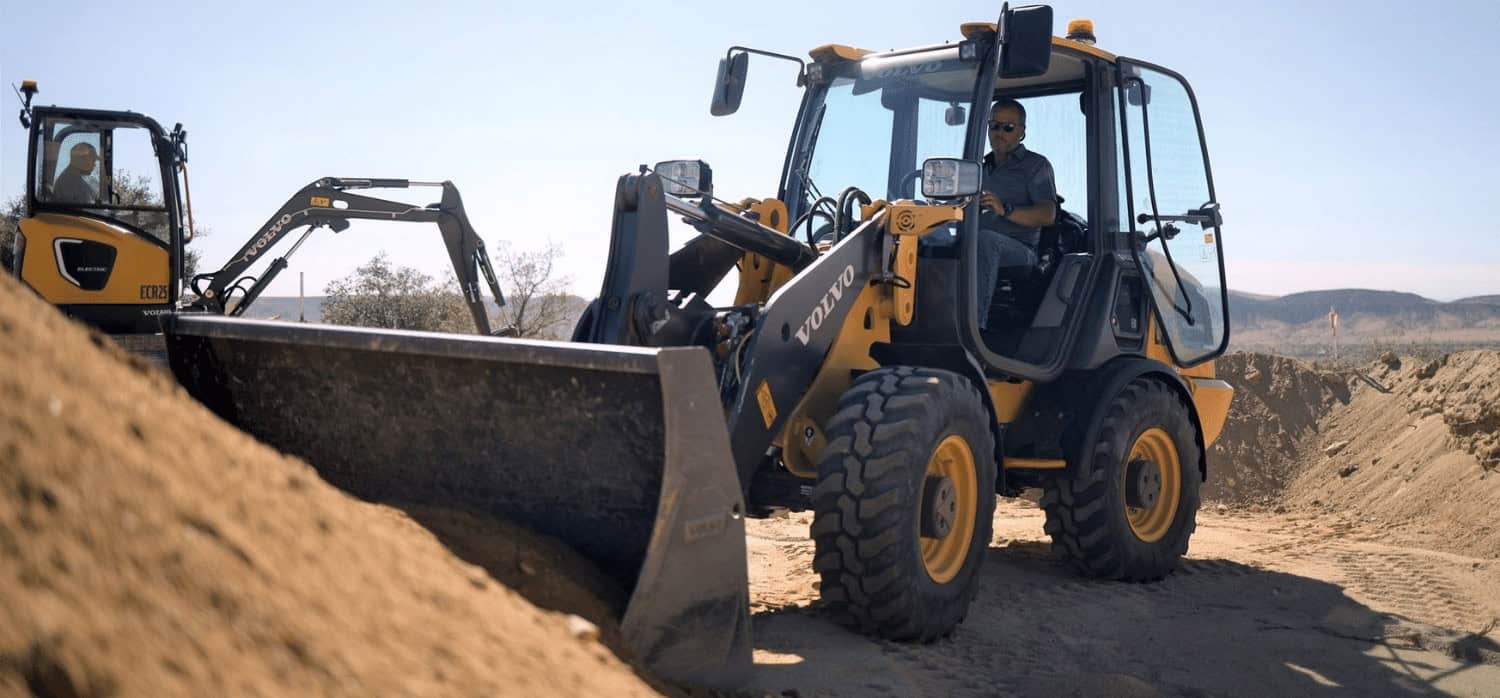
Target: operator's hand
990,201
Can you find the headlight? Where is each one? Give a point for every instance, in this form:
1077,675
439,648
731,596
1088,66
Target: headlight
949,178
685,177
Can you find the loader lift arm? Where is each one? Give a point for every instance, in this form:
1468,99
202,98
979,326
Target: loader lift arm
327,202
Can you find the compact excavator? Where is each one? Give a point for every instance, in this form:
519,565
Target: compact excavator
109,215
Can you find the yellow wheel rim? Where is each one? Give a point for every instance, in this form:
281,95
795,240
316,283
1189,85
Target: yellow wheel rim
944,557
1151,523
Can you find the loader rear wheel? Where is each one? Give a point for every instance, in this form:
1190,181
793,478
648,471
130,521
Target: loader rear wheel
903,505
1127,510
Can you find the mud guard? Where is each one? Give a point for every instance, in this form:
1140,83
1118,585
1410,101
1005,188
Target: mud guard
1103,385
620,452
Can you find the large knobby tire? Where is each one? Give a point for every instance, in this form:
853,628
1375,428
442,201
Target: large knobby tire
903,505
1127,510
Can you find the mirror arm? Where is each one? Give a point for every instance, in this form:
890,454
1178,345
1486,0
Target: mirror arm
801,64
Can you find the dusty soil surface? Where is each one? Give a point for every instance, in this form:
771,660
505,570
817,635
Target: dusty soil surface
148,549
1265,605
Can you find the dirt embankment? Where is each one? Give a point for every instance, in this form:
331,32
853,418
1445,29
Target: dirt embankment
1410,448
146,548
1277,409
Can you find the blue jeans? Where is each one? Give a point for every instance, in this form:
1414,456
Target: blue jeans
999,251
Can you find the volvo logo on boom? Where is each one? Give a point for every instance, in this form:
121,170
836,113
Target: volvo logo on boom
825,308
261,242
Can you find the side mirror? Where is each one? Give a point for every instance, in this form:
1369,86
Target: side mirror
685,177
1027,47
729,86
1137,93
955,115
949,178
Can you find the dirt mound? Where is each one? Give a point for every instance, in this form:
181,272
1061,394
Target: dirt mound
1409,448
1465,389
146,548
1413,453
1278,404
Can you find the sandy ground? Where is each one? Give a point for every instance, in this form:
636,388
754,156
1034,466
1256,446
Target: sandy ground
1264,605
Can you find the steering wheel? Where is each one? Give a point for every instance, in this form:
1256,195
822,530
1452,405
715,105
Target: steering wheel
908,180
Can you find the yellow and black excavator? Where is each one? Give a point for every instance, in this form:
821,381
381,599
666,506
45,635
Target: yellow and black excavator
109,216
863,372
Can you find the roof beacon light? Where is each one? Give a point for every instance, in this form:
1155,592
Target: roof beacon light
1082,31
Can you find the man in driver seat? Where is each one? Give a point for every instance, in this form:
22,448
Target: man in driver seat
72,186
1018,198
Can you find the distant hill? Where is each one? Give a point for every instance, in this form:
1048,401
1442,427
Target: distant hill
285,308
1297,324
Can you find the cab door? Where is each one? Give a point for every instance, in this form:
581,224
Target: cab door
1173,213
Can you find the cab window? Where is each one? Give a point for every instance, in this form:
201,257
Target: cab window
1057,129
104,169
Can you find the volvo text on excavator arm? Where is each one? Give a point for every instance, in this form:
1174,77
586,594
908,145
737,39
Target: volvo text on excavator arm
328,202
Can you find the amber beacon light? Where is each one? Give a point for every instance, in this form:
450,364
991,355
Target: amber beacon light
1081,30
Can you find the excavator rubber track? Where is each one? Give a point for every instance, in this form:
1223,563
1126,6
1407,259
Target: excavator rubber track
620,452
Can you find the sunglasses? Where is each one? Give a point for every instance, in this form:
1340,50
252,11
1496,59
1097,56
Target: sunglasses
1003,126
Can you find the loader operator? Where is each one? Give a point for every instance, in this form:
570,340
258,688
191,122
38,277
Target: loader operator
70,186
1018,198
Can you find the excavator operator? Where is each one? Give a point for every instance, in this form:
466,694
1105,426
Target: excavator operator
71,186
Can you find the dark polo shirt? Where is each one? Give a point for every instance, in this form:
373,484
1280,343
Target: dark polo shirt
70,187
1021,180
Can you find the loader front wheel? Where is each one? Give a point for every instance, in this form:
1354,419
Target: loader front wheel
1127,510
903,505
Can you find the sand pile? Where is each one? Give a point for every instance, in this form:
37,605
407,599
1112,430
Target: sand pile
1465,389
1410,448
1412,454
1278,403
146,548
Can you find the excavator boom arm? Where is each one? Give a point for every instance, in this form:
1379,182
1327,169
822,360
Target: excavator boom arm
330,202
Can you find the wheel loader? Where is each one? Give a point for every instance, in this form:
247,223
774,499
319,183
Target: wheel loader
108,217
858,372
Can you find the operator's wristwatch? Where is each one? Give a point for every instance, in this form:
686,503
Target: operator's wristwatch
1006,210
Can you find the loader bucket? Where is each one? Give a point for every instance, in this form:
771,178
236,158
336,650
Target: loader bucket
620,452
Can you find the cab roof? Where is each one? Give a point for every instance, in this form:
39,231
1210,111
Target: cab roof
1068,56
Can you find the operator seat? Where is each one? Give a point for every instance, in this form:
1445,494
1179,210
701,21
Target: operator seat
1018,289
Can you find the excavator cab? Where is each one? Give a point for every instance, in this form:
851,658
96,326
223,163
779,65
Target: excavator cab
104,229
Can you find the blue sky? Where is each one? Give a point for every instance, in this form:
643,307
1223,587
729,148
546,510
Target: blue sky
1353,143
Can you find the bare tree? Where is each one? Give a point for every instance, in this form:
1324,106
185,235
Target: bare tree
537,302
379,295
